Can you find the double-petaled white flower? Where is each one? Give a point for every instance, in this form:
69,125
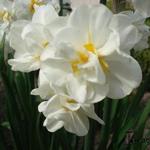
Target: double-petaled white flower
6,16
144,30
142,11
31,40
132,30
64,106
143,7
63,111
66,110
89,49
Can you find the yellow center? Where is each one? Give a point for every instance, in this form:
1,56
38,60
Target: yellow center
36,57
33,3
5,16
45,44
71,101
83,57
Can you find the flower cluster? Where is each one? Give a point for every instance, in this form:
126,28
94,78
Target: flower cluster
81,58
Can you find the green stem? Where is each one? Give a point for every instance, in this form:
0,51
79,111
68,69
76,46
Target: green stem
105,131
61,7
89,139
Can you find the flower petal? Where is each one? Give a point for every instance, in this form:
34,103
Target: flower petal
76,88
45,15
90,112
125,75
77,123
142,7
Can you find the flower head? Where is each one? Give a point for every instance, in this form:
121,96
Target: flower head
35,36
63,111
90,52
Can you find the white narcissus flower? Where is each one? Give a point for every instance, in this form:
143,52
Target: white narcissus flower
64,111
142,6
139,22
34,38
131,25
6,15
88,49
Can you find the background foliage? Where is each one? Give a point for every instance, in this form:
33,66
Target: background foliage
127,120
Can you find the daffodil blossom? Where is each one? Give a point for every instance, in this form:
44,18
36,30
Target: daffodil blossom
34,38
6,15
64,111
137,18
132,30
143,7
88,49
139,22
65,107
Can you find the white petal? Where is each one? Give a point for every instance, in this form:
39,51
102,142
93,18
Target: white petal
93,71
24,64
143,7
111,45
77,89
53,124
77,123
125,75
127,33
52,106
56,71
45,92
100,18
90,112
96,92
66,51
15,37
75,37
78,15
45,15
35,35
42,107
57,25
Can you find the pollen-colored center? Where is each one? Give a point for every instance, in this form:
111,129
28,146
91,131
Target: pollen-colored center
83,56
71,101
90,47
5,16
45,44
